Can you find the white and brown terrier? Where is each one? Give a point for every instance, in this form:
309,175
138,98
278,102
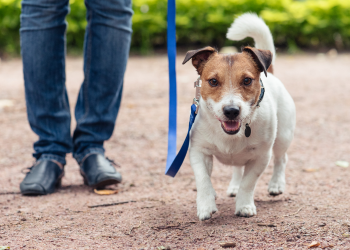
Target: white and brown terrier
230,105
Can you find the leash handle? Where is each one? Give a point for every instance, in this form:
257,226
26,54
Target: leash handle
171,47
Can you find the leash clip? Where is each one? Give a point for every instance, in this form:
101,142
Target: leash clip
197,85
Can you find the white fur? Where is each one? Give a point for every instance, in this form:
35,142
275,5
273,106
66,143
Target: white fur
250,25
272,126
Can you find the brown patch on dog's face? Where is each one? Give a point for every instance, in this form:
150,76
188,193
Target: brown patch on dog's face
230,72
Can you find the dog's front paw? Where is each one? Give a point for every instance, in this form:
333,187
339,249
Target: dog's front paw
232,191
246,211
276,187
205,213
206,208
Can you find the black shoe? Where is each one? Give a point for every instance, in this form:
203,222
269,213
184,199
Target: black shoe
98,171
42,178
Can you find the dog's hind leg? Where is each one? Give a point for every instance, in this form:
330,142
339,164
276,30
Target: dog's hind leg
284,137
202,166
235,181
278,182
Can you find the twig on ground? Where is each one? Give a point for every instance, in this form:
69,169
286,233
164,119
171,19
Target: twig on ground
167,227
179,226
211,234
110,204
5,193
287,215
147,207
133,227
266,225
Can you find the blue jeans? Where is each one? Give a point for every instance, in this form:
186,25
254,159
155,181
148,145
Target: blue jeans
106,50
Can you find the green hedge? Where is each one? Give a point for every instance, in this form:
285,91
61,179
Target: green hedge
311,24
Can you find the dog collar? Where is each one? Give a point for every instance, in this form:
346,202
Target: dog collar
262,92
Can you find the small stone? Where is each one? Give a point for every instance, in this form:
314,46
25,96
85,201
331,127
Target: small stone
227,244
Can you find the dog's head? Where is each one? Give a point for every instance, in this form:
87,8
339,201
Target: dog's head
230,82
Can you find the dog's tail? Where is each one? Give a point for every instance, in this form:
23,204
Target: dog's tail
250,25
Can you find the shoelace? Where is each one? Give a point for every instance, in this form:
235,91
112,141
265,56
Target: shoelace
26,170
113,162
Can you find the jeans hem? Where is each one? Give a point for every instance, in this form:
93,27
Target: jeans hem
58,158
80,157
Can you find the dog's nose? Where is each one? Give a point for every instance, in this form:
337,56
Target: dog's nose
231,112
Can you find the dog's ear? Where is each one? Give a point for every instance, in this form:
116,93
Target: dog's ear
199,57
262,58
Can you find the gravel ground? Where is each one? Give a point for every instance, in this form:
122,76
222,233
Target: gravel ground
315,206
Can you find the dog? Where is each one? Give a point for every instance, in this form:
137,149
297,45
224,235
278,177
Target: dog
245,115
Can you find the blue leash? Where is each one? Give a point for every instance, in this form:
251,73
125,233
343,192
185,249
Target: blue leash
174,161
171,46
176,164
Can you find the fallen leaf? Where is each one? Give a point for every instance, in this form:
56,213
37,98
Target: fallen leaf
227,244
346,235
105,192
4,247
314,244
310,170
343,164
322,224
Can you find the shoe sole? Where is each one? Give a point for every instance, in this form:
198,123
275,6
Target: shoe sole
100,184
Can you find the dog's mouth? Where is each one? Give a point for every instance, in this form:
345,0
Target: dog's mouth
231,127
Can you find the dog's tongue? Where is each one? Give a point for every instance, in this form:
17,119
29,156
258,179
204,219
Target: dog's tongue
231,125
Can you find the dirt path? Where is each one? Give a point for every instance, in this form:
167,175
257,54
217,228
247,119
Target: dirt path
315,206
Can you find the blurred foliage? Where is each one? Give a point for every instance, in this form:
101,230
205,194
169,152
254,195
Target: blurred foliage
294,24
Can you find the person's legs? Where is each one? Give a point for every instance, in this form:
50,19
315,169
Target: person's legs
106,50
42,33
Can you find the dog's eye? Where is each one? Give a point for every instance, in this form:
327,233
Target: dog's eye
213,82
247,81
